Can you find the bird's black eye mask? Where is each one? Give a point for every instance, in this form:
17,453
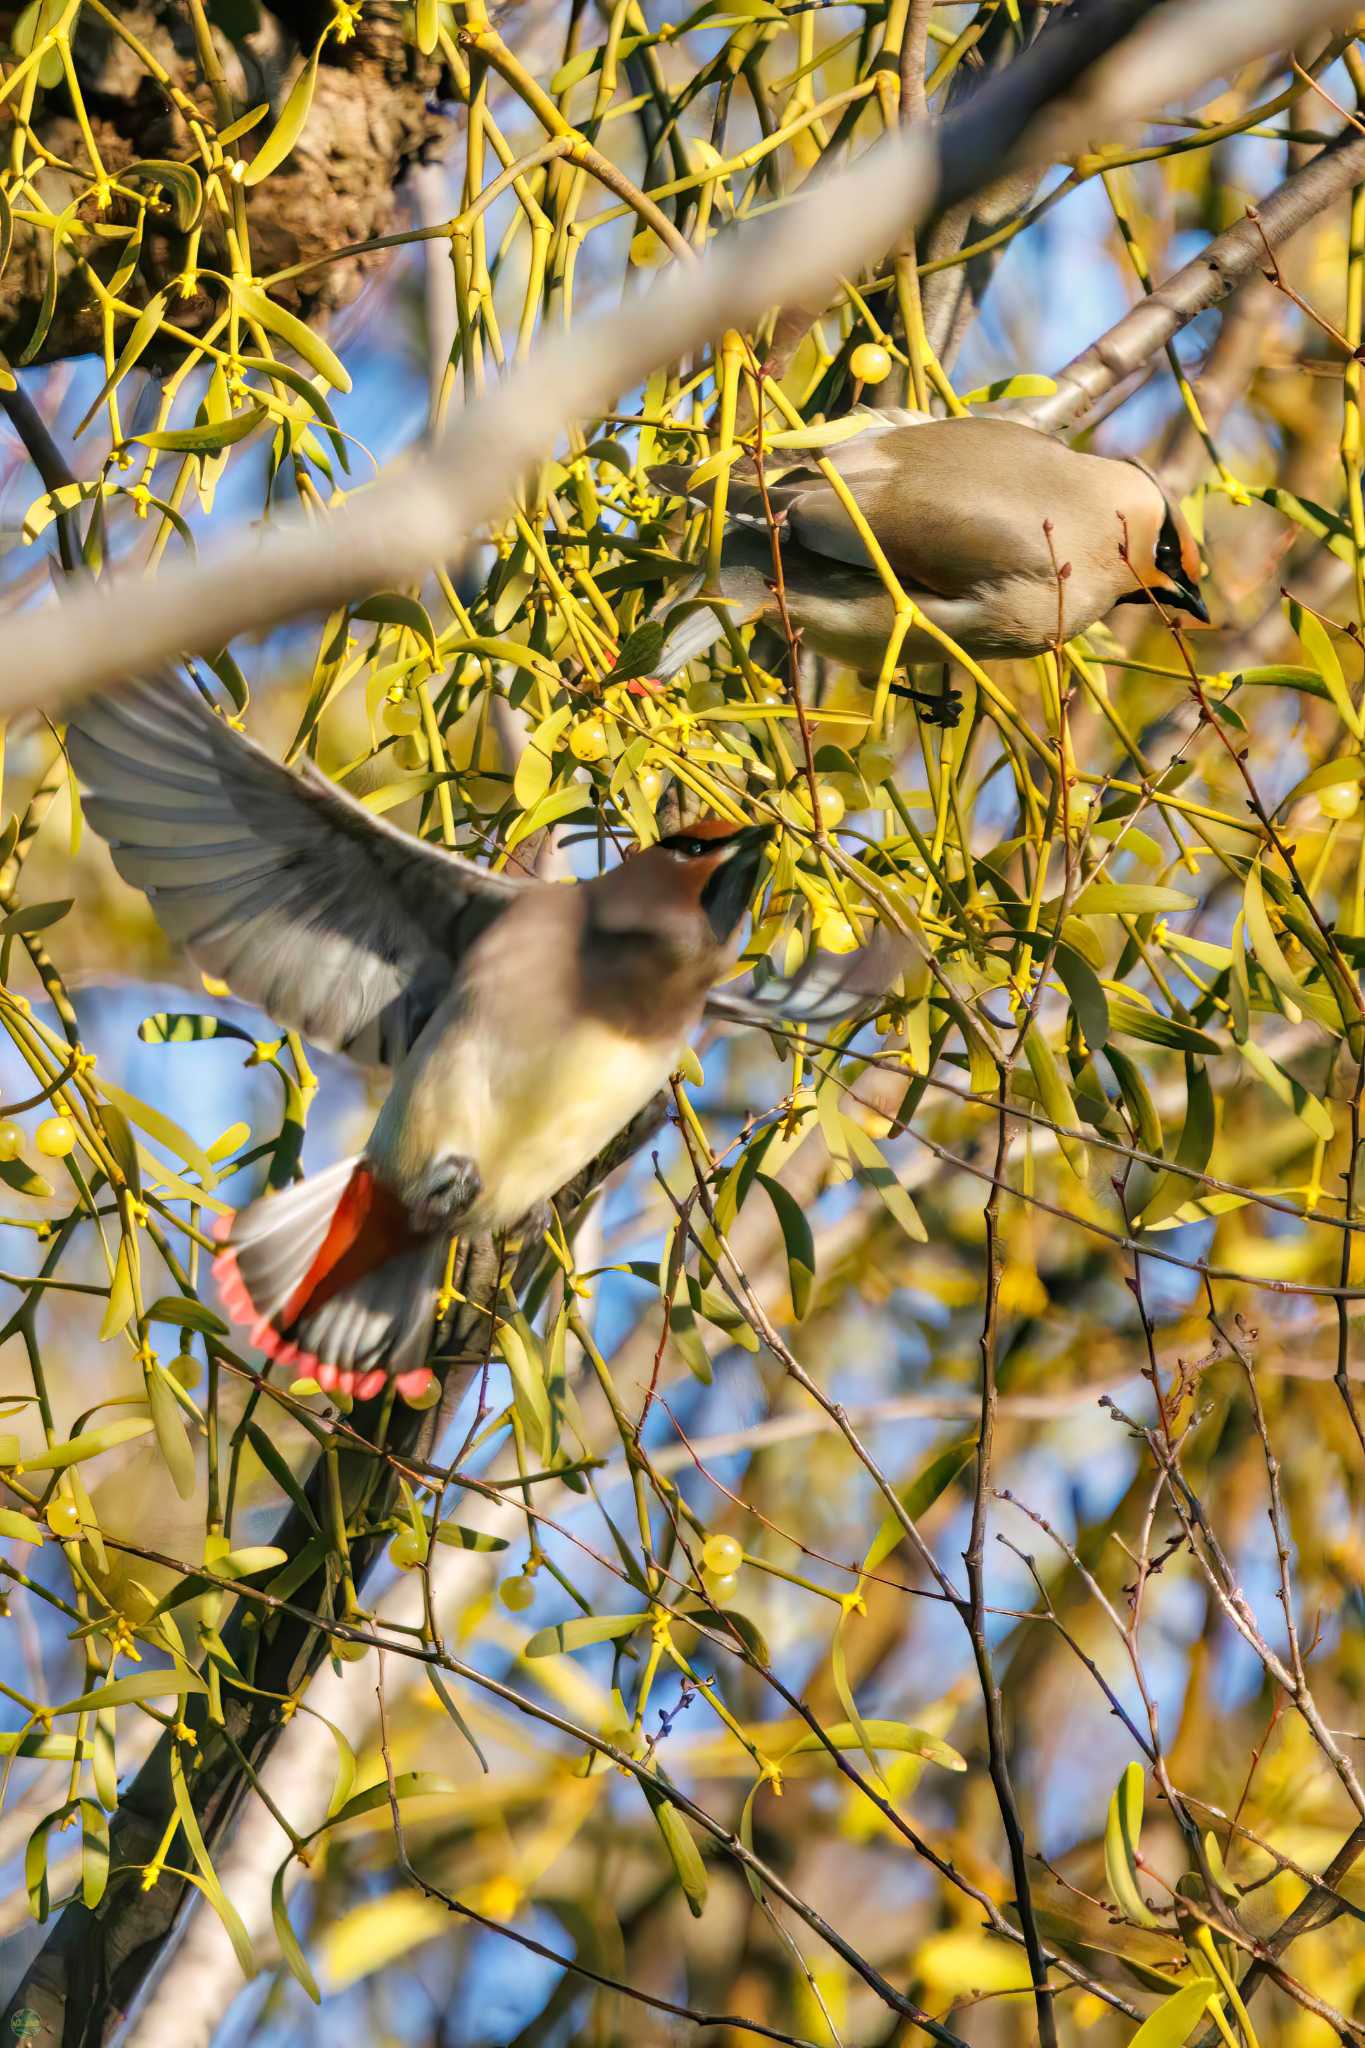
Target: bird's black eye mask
1176,590
726,894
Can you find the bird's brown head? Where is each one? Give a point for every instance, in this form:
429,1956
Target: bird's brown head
714,864
710,866
1164,556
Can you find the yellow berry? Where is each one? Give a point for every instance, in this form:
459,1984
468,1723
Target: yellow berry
1338,800
588,740
870,363
831,805
1079,804
876,763
517,1594
11,1141
650,783
347,1649
836,935
429,1396
185,1369
411,751
721,1555
647,252
401,715
55,1137
407,1550
62,1515
720,1586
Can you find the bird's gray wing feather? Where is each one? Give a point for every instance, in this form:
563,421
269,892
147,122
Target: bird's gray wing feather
334,922
826,989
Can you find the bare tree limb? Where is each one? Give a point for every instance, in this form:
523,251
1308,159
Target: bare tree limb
1228,262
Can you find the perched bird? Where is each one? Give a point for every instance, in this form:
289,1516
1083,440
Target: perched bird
958,507
525,1023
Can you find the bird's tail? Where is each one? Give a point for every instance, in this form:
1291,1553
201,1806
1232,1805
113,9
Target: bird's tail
746,593
331,1277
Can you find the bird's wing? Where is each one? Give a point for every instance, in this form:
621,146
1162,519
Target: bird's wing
826,989
953,503
334,922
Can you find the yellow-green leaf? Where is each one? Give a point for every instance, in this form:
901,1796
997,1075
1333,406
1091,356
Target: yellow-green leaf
287,130
1122,1832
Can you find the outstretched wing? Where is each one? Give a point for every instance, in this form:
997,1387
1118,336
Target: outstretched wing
334,922
826,989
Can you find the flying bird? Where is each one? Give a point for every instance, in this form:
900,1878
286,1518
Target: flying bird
525,1023
976,516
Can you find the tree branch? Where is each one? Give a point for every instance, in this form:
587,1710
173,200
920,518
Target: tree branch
1073,84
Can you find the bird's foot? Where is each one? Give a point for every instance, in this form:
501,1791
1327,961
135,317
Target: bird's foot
449,1191
530,1228
944,710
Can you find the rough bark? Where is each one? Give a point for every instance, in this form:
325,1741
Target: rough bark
369,119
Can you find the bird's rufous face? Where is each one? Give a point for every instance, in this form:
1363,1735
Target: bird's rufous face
1170,573
716,863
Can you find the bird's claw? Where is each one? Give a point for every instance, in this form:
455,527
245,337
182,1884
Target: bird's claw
452,1186
944,710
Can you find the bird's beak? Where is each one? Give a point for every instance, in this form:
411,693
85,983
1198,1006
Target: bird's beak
727,893
1176,597
1185,597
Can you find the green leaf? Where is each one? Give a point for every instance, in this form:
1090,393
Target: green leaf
428,25
581,1631
259,307
1122,1832
213,1890
520,1348
1264,944
1027,384
34,917
392,608
143,328
459,1538
166,1132
683,1853
877,1172
536,766
295,1960
1054,1092
22,1178
90,1444
1316,643
208,437
187,1314
406,1785
278,1467
287,130
171,1435
94,1854
798,1240
1171,2025
16,1527
892,1735
444,1695
918,1497
1088,1000
1129,899
121,1299
181,181
1173,1190
640,654
1329,776
135,1686
1134,1020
